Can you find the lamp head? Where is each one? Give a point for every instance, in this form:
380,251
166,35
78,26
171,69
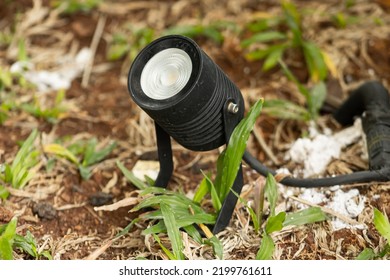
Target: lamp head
183,91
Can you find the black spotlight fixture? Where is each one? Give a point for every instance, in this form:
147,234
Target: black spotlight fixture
191,100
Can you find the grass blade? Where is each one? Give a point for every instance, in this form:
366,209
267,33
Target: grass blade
266,249
263,37
275,223
61,151
306,216
318,95
217,246
7,240
131,177
92,156
203,189
166,251
24,151
173,231
284,109
229,167
366,254
271,192
382,224
315,61
273,58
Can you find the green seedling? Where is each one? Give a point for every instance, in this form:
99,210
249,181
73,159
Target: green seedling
7,236
129,42
88,151
50,114
75,6
274,36
285,109
212,31
92,155
183,214
9,241
276,222
5,82
20,172
342,20
382,225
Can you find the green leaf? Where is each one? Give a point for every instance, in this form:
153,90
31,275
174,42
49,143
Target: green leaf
61,151
117,50
263,37
382,224
92,156
7,240
275,223
24,151
8,174
85,172
131,177
127,228
194,233
284,109
207,186
22,52
293,20
304,91
166,251
193,31
203,189
228,168
266,249
262,53
318,95
273,58
252,213
4,193
315,61
173,231
366,254
27,244
271,192
217,246
215,199
264,24
306,216
181,205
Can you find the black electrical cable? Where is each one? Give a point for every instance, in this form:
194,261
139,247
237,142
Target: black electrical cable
371,101
356,177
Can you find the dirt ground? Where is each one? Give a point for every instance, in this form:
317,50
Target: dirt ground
57,206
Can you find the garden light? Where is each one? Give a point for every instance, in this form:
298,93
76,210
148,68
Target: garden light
191,100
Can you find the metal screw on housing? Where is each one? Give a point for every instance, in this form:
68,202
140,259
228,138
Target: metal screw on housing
232,108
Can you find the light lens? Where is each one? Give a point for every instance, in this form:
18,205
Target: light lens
166,73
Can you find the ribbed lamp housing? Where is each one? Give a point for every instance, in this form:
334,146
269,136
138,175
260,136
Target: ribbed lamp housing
193,116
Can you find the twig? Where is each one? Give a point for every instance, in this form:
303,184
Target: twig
95,254
94,44
259,137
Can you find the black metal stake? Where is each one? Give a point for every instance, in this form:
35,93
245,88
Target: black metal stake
164,150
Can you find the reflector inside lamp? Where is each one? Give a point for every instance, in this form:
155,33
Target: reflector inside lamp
166,73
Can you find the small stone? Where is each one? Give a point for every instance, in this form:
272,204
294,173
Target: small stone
44,210
100,198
